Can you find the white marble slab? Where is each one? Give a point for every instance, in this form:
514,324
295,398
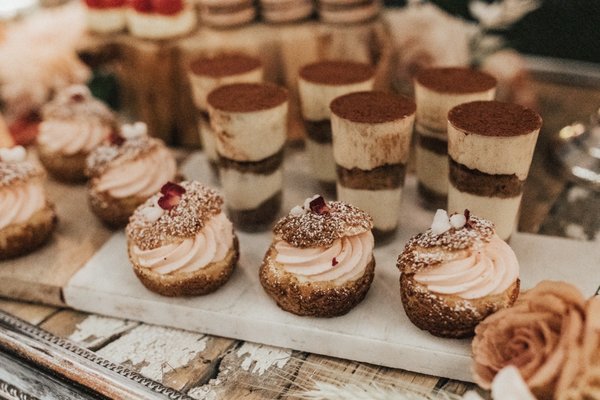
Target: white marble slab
376,331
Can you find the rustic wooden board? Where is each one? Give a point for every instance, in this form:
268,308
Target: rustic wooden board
41,275
376,331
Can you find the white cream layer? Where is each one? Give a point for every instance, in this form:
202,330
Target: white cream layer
432,170
433,107
246,191
250,136
106,20
202,85
315,98
157,26
207,137
492,154
382,205
321,160
502,212
367,146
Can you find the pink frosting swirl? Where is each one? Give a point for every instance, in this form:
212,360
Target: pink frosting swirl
345,260
488,270
19,202
209,245
72,136
140,177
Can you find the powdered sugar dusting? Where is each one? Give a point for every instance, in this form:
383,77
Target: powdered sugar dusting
311,229
185,220
428,248
109,154
16,172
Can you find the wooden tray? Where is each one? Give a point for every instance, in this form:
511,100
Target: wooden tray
376,331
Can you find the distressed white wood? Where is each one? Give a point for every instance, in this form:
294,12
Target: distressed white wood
155,351
94,330
376,331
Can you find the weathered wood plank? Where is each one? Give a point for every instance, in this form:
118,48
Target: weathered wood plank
251,371
32,313
175,358
90,331
317,374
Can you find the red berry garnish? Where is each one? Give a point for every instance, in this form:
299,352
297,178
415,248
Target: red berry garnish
77,97
167,7
468,222
113,3
319,206
93,3
142,5
168,201
173,189
116,139
334,262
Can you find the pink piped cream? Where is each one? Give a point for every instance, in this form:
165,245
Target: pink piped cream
477,273
139,177
345,260
18,203
208,246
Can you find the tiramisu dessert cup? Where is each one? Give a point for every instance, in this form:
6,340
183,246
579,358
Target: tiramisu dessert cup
27,218
180,242
318,84
73,124
348,11
437,90
455,274
124,171
321,260
250,125
106,16
206,73
227,13
163,19
371,144
491,146
285,11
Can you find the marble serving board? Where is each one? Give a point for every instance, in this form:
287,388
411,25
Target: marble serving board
376,331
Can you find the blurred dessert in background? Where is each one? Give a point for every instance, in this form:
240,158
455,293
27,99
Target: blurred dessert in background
227,13
27,218
74,123
250,126
206,73
125,170
161,19
319,84
491,146
106,16
437,90
285,11
371,144
348,11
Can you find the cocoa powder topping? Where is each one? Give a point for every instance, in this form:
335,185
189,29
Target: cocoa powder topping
337,72
224,64
455,80
372,107
494,118
247,97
